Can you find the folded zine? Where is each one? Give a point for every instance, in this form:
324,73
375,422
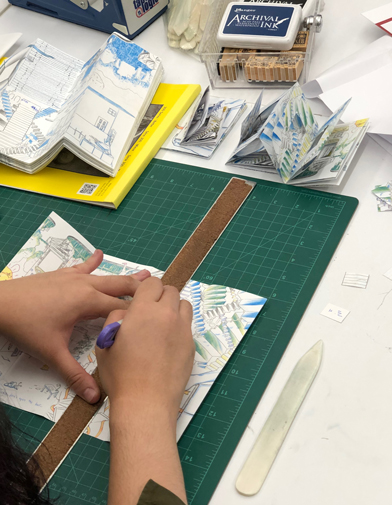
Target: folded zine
205,125
50,100
285,137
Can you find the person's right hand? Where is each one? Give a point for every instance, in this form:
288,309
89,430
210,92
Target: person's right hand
151,359
144,373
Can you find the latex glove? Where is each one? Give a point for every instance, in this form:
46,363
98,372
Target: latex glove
152,356
39,312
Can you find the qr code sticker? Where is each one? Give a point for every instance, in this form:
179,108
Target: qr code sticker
87,189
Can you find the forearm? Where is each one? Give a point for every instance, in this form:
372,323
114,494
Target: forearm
142,447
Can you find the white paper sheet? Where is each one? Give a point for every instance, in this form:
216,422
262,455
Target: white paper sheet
371,58
381,16
371,98
365,77
385,141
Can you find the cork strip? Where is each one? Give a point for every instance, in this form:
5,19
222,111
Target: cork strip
68,429
207,233
62,437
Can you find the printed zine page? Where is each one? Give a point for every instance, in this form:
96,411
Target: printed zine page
50,100
290,141
222,316
250,151
205,125
334,157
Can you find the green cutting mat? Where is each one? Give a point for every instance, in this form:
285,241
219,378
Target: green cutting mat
277,246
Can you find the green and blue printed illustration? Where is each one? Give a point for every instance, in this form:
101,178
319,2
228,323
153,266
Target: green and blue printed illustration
221,318
286,137
383,193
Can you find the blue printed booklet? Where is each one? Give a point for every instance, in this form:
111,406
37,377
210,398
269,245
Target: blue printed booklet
285,137
50,100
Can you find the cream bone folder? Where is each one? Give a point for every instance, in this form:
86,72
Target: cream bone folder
266,448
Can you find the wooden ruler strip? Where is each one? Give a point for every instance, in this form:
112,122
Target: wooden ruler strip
68,429
207,233
63,436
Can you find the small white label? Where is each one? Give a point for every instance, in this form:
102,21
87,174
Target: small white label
336,313
355,280
87,189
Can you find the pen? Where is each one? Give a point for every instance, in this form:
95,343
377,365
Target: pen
108,334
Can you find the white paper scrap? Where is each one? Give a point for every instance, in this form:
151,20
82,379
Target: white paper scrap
7,40
388,274
4,5
355,280
336,313
383,194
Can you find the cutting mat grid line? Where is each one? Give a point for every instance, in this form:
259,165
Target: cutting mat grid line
255,250
277,246
232,368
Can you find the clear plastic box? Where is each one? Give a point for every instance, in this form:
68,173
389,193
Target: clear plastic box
279,69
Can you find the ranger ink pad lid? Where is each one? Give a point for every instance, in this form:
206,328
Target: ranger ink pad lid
260,26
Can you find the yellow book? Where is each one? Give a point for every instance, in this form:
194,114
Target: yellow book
71,178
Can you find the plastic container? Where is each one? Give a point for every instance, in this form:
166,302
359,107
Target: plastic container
247,69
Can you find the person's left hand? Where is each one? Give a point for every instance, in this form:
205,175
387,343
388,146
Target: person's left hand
39,312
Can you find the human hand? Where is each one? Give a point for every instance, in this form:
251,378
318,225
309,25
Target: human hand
152,357
39,312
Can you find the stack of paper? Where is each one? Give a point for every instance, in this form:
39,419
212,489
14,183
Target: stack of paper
205,125
50,100
285,136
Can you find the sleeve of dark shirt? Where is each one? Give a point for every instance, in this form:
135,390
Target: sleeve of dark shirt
154,494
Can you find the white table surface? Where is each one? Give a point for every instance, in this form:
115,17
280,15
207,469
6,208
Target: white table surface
339,449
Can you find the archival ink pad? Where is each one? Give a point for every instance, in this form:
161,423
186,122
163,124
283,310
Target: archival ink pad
260,26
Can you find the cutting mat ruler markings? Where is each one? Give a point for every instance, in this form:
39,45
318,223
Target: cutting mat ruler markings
239,368
69,428
278,246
